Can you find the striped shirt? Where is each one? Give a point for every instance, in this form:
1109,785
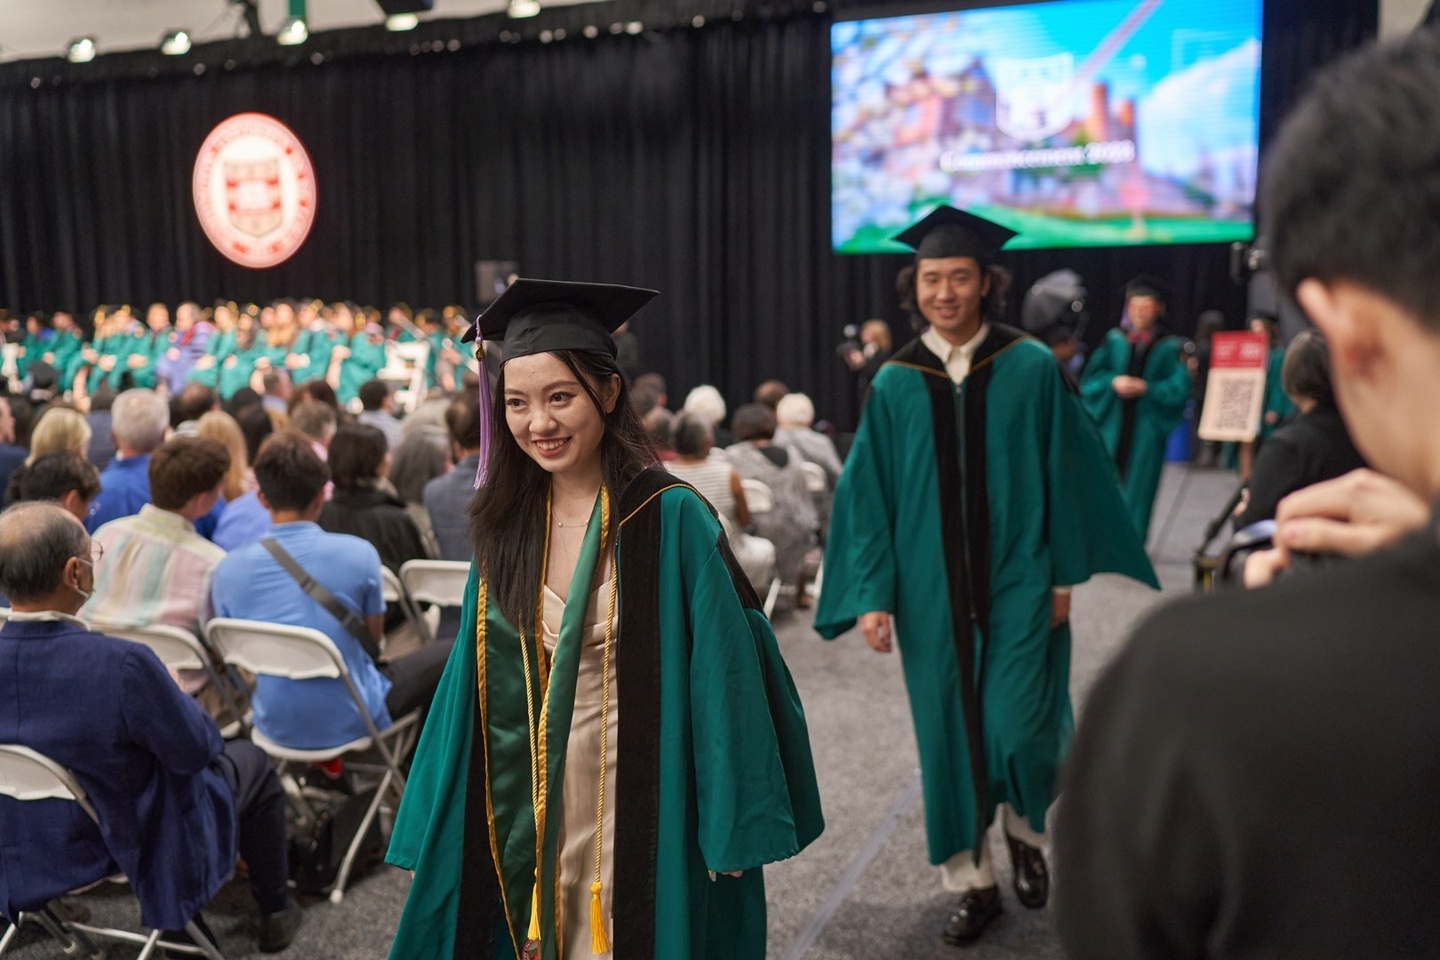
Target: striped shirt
156,570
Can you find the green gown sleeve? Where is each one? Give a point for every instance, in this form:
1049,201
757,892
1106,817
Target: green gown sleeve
860,550
1169,386
1097,392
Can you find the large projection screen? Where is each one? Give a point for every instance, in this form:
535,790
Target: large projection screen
1079,123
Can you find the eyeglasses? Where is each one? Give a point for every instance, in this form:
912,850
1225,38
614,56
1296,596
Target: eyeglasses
96,552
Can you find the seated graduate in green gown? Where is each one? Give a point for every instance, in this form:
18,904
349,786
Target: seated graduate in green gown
1135,388
362,361
616,747
220,345
975,494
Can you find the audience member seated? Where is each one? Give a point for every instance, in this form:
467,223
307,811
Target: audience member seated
659,425
12,455
648,393
363,506
770,393
316,421
141,419
64,477
719,483
252,584
424,454
377,409
795,416
706,403
102,442
315,391
243,520
792,525
190,405
278,391
177,803
1312,448
447,497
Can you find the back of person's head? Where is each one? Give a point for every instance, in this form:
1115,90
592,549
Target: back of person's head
314,391
795,410
660,425
651,381
256,424
705,401
194,401
644,397
693,435
424,454
56,474
219,426
462,420
103,398
373,394
242,399
289,472
139,420
276,382
356,454
23,411
1306,371
1352,181
315,420
59,428
770,393
184,467
37,540
753,421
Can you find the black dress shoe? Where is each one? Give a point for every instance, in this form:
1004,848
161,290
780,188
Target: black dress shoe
278,929
977,908
1032,876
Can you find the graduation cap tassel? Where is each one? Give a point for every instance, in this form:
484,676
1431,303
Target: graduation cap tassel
486,427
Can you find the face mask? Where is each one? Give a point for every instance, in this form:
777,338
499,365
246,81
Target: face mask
84,594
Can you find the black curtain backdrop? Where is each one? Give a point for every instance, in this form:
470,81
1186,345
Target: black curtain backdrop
694,159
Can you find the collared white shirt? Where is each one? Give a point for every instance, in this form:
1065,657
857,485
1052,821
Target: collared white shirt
956,359
44,615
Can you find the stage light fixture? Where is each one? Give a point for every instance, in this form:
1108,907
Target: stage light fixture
522,8
81,50
292,32
400,22
175,44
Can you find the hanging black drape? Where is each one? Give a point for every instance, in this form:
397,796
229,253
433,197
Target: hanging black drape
693,160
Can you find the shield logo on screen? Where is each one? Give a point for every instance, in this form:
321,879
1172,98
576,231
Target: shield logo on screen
252,195
1034,98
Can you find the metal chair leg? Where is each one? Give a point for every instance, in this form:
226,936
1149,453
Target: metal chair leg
148,951
203,941
337,893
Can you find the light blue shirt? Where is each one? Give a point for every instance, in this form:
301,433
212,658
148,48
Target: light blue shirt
243,522
124,489
251,584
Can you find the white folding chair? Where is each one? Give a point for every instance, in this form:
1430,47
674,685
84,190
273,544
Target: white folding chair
303,653
27,775
392,590
182,650
405,366
815,479
761,499
441,582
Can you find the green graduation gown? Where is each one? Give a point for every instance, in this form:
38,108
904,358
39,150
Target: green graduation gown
958,511
239,366
713,771
365,361
1277,401
315,345
1136,431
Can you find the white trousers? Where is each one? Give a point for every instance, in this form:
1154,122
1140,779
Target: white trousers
960,874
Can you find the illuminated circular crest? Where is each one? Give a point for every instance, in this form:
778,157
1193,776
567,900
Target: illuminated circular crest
254,190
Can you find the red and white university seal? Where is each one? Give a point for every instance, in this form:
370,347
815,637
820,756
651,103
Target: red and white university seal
254,190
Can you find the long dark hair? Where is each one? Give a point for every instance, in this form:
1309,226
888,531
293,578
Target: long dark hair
507,516
992,305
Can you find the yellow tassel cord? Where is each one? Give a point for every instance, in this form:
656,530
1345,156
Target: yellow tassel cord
599,942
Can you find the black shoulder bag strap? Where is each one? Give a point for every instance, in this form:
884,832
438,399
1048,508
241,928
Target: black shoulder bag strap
352,623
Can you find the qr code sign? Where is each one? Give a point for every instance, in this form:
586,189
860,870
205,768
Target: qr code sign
1233,401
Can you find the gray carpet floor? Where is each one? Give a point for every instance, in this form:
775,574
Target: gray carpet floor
865,889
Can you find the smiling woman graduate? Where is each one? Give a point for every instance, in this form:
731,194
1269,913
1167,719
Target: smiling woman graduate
616,747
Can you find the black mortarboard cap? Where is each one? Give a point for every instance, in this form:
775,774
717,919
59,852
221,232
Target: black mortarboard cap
1147,286
540,316
947,232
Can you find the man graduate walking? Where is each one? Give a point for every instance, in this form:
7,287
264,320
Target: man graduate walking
976,493
1135,388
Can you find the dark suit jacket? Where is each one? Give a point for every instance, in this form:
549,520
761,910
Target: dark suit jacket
1313,448
447,500
141,749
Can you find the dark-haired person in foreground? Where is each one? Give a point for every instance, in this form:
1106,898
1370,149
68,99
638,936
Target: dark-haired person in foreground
63,476
176,802
636,751
976,494
1256,774
251,584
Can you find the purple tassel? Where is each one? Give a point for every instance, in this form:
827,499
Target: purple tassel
487,429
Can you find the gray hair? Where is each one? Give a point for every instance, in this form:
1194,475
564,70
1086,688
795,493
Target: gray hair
705,401
139,420
423,456
795,410
37,539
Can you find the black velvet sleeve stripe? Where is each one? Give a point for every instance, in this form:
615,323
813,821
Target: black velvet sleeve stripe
637,665
479,910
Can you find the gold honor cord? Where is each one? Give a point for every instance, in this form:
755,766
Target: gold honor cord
539,767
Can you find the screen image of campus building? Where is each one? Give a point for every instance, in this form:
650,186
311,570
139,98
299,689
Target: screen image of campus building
1042,143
